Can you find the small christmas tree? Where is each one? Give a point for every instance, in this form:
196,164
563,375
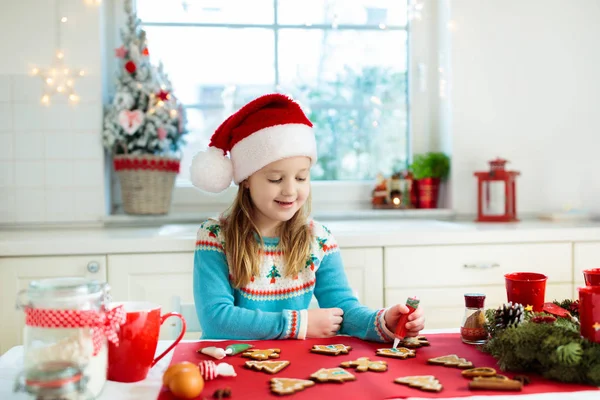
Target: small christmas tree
273,274
144,117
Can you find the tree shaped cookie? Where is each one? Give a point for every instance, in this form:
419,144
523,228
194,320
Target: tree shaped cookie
332,375
331,349
272,367
400,352
283,386
364,364
415,342
428,383
257,354
451,360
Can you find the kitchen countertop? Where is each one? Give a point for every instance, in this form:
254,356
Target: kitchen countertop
351,233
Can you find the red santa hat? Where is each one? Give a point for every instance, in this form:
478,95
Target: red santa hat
269,128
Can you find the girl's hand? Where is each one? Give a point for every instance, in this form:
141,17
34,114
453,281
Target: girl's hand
416,320
324,322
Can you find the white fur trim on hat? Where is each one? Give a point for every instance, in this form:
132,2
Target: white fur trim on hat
211,170
271,144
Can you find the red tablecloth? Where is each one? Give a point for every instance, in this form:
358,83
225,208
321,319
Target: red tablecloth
250,384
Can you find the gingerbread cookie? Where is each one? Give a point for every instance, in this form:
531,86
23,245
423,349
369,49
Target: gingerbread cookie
331,349
272,367
451,360
332,375
428,383
498,382
283,386
475,372
400,352
364,364
257,354
415,342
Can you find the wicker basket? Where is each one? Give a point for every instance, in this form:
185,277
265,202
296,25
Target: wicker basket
147,182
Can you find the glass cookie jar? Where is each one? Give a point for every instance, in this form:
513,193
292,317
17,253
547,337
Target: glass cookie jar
472,329
66,328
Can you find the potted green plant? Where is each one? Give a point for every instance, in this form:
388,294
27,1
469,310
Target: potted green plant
428,171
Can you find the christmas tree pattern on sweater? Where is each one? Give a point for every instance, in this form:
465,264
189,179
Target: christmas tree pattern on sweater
272,283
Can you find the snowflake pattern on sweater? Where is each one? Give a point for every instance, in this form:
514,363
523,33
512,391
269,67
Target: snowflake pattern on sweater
272,297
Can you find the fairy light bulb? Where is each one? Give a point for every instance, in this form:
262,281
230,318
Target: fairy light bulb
45,99
35,71
64,19
82,73
60,55
49,81
173,113
73,98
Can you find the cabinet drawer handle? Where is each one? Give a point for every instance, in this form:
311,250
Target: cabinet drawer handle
482,266
93,267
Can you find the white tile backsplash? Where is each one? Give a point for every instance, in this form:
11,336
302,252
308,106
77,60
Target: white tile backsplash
87,174
30,205
5,89
7,146
51,157
29,146
7,205
7,174
59,174
60,205
6,117
59,146
30,174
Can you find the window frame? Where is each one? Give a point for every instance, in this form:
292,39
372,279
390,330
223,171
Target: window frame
425,61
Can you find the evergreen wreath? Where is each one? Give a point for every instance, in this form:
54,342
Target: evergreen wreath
547,344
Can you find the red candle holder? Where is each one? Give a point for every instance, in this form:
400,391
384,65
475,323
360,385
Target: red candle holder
592,277
589,312
526,288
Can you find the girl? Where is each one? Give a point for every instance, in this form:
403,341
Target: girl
258,266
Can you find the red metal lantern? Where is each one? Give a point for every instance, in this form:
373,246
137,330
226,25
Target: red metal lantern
496,193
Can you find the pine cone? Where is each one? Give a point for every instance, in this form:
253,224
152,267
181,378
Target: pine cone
508,315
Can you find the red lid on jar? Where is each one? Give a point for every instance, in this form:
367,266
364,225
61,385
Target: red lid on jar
474,300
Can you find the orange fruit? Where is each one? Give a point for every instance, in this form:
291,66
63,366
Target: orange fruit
175,368
186,383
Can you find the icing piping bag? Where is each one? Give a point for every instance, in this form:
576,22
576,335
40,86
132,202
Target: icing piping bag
412,303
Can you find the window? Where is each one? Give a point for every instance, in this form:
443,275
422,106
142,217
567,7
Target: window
344,61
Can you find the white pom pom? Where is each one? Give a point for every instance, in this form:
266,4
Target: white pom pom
211,171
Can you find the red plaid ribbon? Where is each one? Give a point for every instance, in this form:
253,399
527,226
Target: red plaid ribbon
104,324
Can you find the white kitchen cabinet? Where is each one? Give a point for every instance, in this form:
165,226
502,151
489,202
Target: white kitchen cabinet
17,272
364,268
158,277
153,277
441,275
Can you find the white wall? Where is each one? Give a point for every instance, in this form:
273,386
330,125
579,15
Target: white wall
525,87
51,158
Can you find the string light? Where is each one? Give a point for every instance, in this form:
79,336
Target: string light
93,2
58,78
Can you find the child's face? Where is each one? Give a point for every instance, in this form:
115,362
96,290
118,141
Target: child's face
279,190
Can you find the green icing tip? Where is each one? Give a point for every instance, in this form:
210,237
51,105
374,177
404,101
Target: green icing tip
413,302
237,348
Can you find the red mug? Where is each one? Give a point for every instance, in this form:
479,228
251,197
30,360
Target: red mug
592,277
589,312
526,288
132,358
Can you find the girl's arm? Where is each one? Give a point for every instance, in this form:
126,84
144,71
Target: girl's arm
219,317
332,290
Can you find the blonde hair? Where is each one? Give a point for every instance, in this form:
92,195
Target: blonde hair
243,251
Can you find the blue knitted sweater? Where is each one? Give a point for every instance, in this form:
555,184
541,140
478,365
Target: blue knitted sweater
273,306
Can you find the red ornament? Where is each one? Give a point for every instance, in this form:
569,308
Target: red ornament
496,193
163,95
130,67
145,52
555,310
